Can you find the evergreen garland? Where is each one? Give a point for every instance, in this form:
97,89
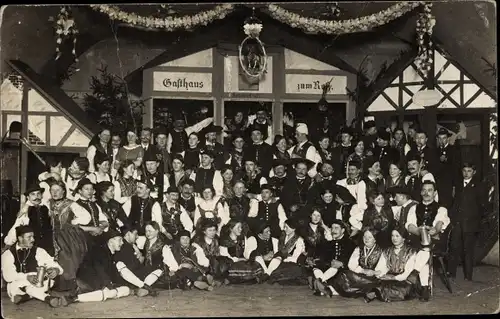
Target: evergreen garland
109,104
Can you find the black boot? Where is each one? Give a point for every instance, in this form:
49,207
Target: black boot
19,299
151,291
425,294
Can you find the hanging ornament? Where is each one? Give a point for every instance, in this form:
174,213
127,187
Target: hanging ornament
425,25
65,28
252,53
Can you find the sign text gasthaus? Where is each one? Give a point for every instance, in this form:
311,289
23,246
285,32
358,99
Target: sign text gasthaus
182,82
311,83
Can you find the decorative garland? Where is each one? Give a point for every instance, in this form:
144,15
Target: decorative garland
425,24
168,23
312,25
256,63
65,28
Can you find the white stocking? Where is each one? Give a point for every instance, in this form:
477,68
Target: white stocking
423,267
93,296
153,277
329,273
122,291
262,263
317,273
273,265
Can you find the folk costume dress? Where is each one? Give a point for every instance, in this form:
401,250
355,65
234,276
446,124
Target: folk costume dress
382,219
240,270
400,263
352,282
175,219
212,210
289,271
262,250
124,188
177,255
153,257
314,239
218,265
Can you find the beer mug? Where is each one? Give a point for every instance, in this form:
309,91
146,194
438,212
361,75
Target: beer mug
425,238
41,272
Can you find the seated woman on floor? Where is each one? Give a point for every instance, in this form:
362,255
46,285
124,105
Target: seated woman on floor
187,265
284,267
361,273
237,248
153,249
206,240
398,279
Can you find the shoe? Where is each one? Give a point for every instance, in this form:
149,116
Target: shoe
210,280
202,285
451,276
226,282
54,302
217,284
318,293
18,299
141,292
151,291
321,287
67,300
264,278
425,294
370,297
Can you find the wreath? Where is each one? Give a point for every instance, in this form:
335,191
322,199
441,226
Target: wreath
252,53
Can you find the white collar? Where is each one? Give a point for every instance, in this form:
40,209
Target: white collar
19,247
151,242
301,144
407,203
467,180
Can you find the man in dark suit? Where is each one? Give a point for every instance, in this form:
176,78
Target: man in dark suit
384,153
260,151
466,214
210,133
448,172
159,150
426,153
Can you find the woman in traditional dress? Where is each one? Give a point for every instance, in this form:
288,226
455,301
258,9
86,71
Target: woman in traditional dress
192,153
328,206
398,279
314,234
131,151
280,148
210,208
284,267
228,182
360,275
359,153
207,240
236,155
399,142
263,247
77,171
102,164
69,239
125,183
178,175
153,250
395,179
325,150
235,246
55,172
379,216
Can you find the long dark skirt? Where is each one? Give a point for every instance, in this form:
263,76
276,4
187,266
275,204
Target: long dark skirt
289,274
71,247
219,267
244,272
352,285
393,290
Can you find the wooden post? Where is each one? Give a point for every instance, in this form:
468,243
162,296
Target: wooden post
218,89
278,91
147,92
24,133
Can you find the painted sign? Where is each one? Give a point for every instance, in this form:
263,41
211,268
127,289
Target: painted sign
311,83
182,82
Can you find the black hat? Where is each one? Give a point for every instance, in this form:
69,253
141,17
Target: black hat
146,181
413,156
248,158
399,190
369,124
340,223
172,189
162,130
443,131
280,162
205,151
355,162
369,161
84,181
23,229
344,194
178,157
266,186
261,108
111,233
150,156
254,127
177,116
33,188
469,165
292,223
309,163
384,135
128,228
101,157
329,162
235,135
346,130
212,129
183,232
207,223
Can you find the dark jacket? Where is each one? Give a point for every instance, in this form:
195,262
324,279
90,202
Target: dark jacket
469,205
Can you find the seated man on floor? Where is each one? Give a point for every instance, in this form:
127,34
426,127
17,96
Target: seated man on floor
187,264
20,264
108,274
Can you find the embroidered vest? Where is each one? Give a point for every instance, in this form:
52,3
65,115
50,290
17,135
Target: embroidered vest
128,186
210,250
154,254
188,204
239,207
369,260
301,151
179,141
184,256
268,212
235,249
140,212
92,208
426,214
41,223
287,249
404,213
253,185
204,177
24,262
172,218
158,181
415,186
264,246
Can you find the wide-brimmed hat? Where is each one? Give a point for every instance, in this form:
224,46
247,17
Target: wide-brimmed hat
309,163
443,131
280,162
83,182
344,194
146,181
212,129
399,190
33,188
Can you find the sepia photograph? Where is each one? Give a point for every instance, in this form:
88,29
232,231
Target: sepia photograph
240,159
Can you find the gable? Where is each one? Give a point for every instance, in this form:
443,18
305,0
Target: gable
456,88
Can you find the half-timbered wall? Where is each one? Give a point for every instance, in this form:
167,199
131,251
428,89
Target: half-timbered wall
457,89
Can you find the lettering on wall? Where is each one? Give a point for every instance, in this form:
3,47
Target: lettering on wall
182,82
311,83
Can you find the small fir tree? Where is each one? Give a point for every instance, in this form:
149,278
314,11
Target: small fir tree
109,104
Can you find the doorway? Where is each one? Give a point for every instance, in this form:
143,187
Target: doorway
238,113
193,111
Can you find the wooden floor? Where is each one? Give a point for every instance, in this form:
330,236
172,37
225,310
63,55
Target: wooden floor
478,297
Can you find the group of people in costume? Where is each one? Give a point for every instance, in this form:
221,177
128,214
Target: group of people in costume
344,216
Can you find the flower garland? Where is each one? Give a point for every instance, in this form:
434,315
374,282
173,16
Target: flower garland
312,25
168,23
65,28
254,64
425,24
